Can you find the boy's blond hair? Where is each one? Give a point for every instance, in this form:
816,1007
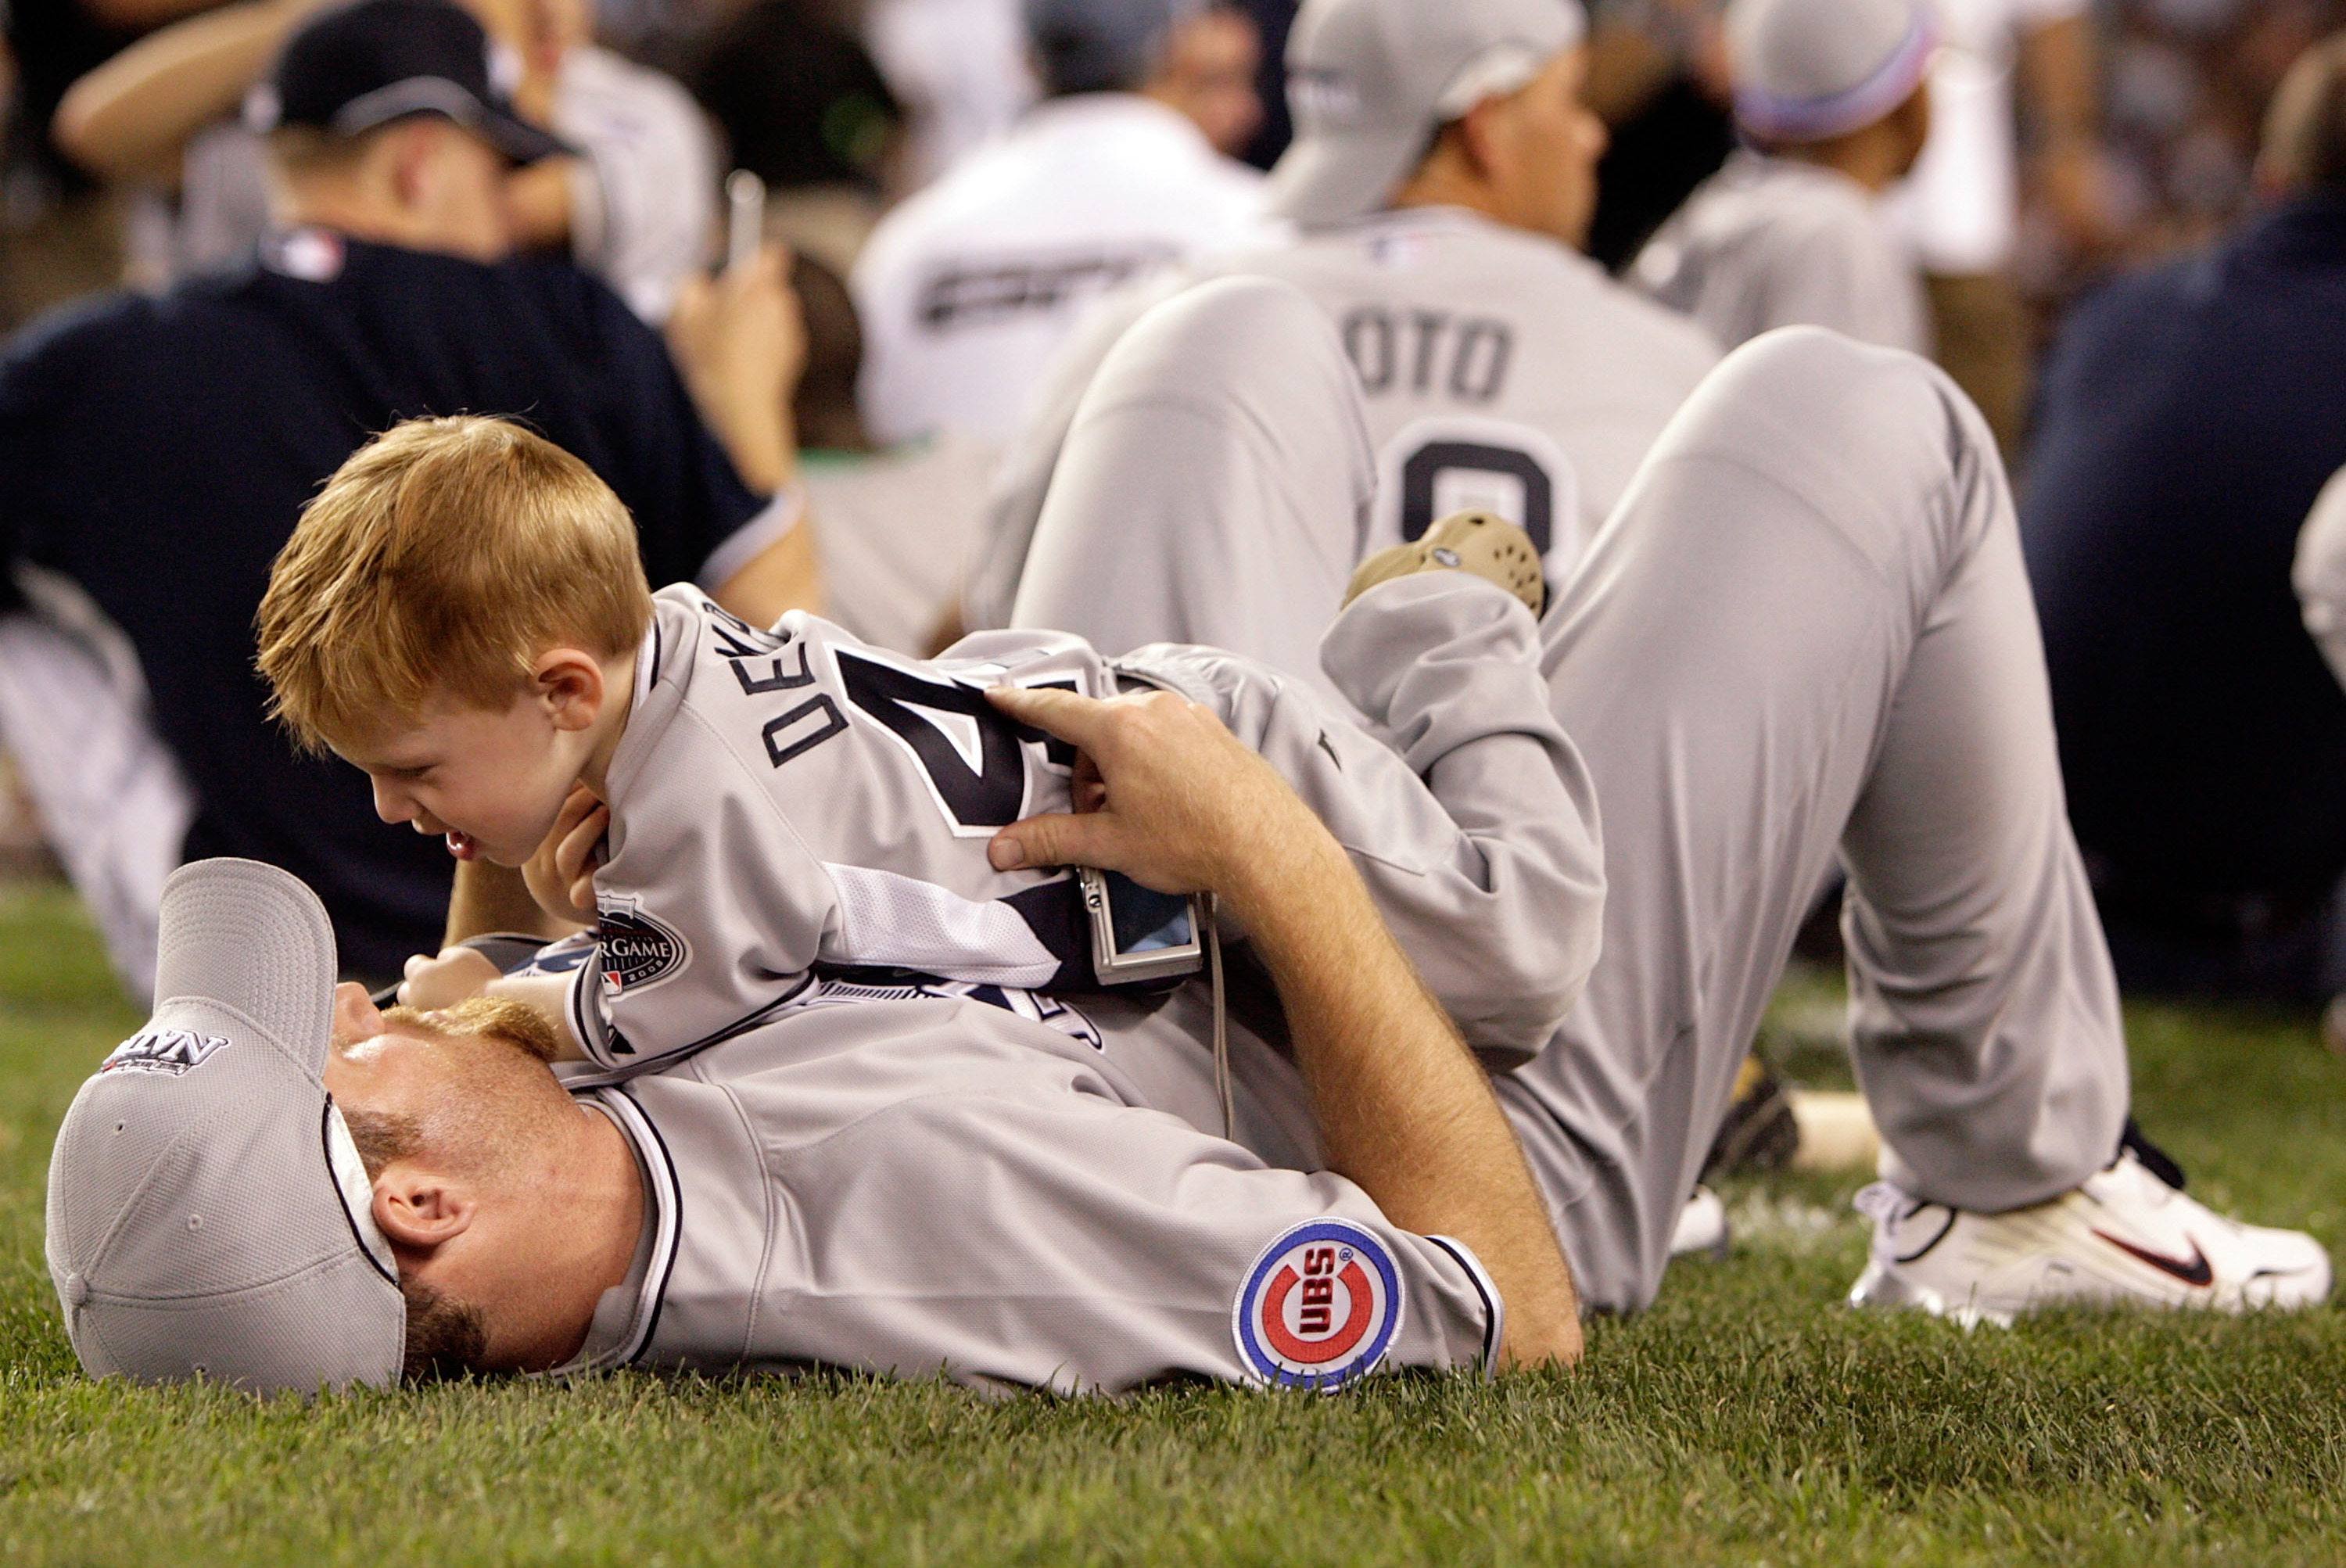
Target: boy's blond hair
440,561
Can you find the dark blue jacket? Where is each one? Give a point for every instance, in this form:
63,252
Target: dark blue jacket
160,451
2188,416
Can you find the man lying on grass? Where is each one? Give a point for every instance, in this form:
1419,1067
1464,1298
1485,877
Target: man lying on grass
1806,627
904,1183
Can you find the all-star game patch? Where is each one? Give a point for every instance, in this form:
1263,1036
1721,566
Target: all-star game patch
637,950
1320,1307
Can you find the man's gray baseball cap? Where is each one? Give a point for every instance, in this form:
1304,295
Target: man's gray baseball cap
1370,81
209,1214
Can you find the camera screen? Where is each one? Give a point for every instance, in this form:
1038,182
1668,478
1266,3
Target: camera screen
1146,921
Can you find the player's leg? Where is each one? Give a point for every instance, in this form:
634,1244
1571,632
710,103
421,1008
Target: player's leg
1808,619
1466,805
1211,485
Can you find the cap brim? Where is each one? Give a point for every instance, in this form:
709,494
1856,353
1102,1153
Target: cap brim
1335,177
486,118
254,938
517,138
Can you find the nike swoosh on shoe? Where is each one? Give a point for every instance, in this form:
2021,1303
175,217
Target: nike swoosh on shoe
2195,1270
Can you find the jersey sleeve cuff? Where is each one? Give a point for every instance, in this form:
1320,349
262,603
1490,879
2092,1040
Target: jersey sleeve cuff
1494,1309
785,511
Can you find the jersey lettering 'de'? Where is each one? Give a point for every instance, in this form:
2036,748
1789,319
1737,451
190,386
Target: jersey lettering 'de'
789,798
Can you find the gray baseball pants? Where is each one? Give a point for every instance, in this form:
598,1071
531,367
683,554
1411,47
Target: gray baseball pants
1805,632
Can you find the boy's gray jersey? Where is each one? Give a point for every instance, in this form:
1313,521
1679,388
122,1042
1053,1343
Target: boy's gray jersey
792,798
910,1184
1498,367
1770,242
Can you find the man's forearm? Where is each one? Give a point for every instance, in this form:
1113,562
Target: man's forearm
1403,1108
133,114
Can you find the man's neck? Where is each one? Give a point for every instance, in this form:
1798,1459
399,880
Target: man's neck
593,1222
326,207
1871,157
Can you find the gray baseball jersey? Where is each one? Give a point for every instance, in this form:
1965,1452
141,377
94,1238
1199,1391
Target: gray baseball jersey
912,1183
789,799
1772,242
1499,368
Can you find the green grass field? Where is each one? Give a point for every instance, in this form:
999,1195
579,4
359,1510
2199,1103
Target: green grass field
1749,1418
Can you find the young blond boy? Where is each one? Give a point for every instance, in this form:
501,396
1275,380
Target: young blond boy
460,614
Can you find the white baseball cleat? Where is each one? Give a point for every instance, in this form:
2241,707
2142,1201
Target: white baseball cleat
1701,1226
2124,1236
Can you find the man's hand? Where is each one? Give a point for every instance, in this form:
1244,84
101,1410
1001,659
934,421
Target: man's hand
1168,795
1165,794
561,875
458,974
740,341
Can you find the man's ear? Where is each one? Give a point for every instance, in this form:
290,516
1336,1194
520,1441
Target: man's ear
1474,135
569,683
420,1208
412,145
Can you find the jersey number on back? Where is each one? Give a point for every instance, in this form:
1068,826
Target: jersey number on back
1456,463
974,757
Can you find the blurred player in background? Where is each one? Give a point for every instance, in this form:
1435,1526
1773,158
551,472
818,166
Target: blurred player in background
1442,172
631,198
968,288
2003,64
1833,95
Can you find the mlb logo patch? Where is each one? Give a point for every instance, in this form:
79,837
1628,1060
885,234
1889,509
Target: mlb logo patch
1320,1307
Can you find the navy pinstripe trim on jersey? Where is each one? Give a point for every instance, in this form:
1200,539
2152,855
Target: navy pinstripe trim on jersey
668,1199
1494,1308
653,1060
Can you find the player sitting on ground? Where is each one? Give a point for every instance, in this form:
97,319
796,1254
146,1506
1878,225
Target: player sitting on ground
460,614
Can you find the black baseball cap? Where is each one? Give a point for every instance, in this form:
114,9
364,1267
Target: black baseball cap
353,68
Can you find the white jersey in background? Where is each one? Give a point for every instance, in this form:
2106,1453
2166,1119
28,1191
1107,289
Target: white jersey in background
792,798
959,68
1499,370
967,290
1960,208
1770,242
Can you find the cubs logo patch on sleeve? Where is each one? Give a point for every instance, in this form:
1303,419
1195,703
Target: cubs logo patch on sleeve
1320,1307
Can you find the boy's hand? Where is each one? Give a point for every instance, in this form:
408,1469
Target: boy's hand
561,875
458,974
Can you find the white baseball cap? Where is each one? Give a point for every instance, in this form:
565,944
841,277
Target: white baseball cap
209,1214
1370,81
1807,70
